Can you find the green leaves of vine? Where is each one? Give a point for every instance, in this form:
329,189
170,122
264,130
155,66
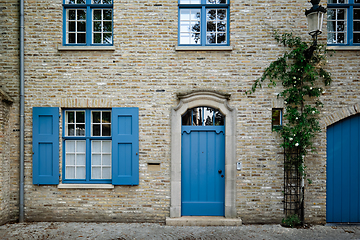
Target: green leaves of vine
299,70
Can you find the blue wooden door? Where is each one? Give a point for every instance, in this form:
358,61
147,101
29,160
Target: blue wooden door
343,171
203,170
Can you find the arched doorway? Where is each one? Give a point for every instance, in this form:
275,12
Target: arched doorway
219,102
202,162
343,171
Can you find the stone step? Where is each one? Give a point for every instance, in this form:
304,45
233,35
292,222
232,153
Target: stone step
203,221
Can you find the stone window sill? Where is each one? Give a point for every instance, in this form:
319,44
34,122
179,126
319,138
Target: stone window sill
203,48
343,48
86,48
85,186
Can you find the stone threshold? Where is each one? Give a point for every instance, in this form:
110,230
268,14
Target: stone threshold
203,221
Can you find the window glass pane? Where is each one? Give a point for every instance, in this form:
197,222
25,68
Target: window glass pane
72,14
70,130
106,160
81,26
190,1
356,38
276,117
106,173
340,38
80,173
80,117
186,118
96,117
208,116
81,146
96,130
107,38
97,37
216,1
80,129
72,38
356,13
107,14
106,147
96,159
70,159
70,172
80,1
97,26
70,117
81,15
72,27
211,38
80,159
190,26
221,38
107,1
96,173
96,147
340,14
81,38
219,118
197,116
106,117
106,130
97,15
357,1
107,27
337,1
101,159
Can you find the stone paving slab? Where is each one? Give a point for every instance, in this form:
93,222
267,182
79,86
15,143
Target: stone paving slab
122,231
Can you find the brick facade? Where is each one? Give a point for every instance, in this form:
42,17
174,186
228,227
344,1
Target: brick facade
146,71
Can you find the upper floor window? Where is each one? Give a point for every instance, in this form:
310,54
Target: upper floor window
203,22
88,22
343,22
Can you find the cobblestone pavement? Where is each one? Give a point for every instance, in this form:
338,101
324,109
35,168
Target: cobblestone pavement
121,231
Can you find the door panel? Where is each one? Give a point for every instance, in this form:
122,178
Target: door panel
202,156
343,170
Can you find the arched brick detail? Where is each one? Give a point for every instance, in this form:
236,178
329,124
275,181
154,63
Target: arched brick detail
340,114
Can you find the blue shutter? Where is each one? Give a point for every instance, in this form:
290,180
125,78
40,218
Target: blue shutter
45,145
125,146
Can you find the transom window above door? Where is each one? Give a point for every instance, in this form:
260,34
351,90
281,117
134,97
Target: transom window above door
204,22
203,116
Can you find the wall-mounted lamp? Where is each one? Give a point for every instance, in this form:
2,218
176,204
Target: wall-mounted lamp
315,17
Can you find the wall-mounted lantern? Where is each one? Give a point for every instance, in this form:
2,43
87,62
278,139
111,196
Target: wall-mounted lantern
315,17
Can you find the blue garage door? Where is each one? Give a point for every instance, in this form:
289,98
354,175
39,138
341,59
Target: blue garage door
343,171
203,163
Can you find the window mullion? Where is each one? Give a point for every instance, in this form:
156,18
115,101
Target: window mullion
88,25
88,144
203,26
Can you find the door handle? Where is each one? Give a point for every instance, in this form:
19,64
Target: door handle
219,171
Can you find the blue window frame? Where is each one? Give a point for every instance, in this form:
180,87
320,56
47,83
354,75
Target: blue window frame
203,22
343,23
88,22
87,146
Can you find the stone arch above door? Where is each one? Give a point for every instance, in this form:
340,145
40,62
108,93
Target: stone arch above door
341,114
218,101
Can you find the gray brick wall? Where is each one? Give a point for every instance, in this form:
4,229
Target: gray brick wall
146,71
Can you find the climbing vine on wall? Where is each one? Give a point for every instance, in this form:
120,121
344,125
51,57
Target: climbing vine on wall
301,73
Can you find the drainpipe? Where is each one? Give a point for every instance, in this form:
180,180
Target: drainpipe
22,103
